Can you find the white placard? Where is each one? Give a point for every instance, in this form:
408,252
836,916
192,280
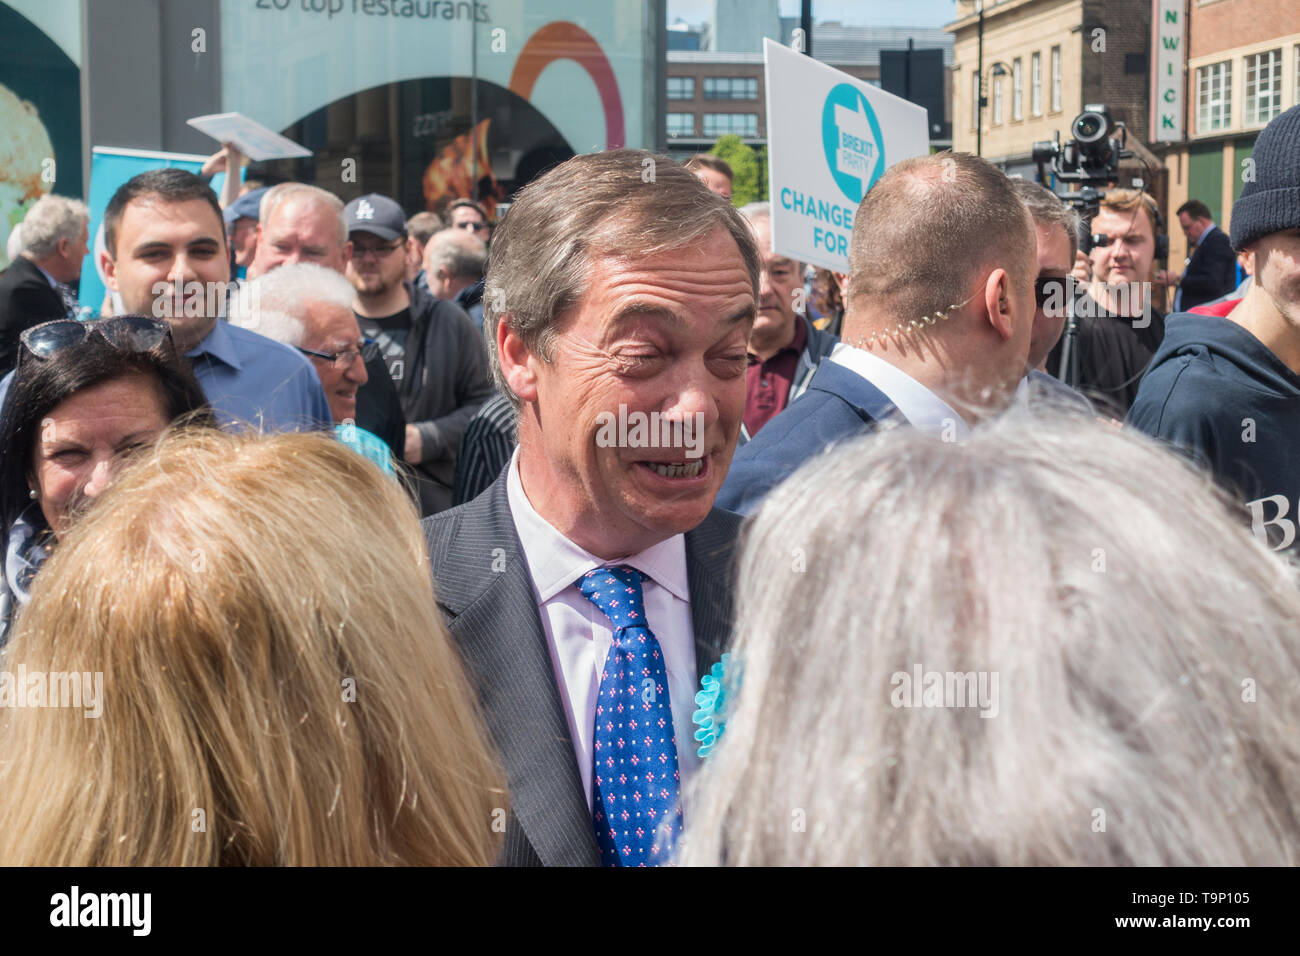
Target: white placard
830,137
250,137
1169,59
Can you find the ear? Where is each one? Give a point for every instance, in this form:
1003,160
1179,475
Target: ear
109,268
518,364
997,302
347,254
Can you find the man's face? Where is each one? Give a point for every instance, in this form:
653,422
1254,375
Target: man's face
243,240
1132,247
781,278
1277,271
299,230
471,220
715,181
69,267
377,264
331,328
163,248
1193,229
1054,263
663,334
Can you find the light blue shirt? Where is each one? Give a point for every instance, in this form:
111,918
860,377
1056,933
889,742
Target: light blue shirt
252,380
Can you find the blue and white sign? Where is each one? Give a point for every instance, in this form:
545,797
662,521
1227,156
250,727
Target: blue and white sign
862,131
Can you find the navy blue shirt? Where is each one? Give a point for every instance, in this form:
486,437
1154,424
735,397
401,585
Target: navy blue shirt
1222,398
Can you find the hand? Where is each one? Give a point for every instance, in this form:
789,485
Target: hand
227,157
1082,270
413,452
1166,278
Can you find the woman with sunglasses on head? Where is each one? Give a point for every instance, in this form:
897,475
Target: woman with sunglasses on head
84,396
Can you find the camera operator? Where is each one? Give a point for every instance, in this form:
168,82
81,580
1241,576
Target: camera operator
1119,328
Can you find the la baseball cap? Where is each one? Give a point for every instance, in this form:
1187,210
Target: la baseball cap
377,215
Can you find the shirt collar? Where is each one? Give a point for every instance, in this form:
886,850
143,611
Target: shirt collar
924,410
555,562
796,345
220,344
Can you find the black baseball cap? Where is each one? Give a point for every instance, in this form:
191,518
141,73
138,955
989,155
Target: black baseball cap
377,215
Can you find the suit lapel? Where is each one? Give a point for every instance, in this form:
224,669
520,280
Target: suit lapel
709,554
483,581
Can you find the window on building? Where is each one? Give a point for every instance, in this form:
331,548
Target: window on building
1214,97
681,124
681,87
1036,84
996,83
974,99
1263,87
1017,90
1056,79
731,87
720,124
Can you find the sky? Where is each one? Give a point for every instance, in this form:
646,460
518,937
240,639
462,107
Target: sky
874,13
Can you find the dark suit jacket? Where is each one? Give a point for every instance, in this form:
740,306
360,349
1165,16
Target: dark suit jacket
1210,273
839,404
26,299
487,598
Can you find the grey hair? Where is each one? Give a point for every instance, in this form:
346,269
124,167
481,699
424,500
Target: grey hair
262,304
50,219
1105,582
757,210
619,203
302,192
1047,209
461,254
274,324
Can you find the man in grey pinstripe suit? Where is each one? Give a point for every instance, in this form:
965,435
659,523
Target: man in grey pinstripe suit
620,290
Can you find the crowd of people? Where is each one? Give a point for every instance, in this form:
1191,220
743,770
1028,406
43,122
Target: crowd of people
333,503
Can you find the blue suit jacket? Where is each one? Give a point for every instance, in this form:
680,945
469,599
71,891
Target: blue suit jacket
838,405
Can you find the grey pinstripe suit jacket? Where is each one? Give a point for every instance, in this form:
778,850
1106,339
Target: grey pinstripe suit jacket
494,621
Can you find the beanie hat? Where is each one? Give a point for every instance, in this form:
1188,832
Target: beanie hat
1271,201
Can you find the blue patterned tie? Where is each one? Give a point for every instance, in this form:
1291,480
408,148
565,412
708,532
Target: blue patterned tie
635,778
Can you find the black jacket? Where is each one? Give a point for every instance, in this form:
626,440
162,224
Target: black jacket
1221,397
26,299
1211,271
444,382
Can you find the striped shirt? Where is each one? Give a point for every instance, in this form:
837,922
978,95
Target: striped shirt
485,449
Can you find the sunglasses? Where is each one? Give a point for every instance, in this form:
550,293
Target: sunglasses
127,333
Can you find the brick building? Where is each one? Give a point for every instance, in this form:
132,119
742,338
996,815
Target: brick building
1043,60
711,93
1242,68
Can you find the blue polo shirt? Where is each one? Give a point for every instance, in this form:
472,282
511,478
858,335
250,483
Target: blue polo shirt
250,379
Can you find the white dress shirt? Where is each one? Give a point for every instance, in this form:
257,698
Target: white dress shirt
579,635
924,410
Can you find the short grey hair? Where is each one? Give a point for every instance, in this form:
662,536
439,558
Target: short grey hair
619,203
463,255
275,303
1047,209
301,192
50,219
1069,559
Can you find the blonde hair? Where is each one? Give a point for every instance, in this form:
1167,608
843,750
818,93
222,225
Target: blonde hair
1143,643
261,611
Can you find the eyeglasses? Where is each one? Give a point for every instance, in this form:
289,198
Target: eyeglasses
128,333
476,226
378,251
340,360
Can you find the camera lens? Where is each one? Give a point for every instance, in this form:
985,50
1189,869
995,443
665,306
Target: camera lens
1089,127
